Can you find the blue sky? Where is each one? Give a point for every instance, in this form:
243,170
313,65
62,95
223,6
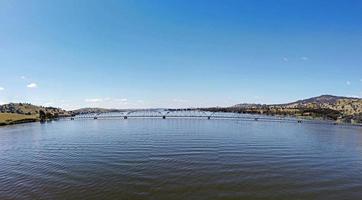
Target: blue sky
178,53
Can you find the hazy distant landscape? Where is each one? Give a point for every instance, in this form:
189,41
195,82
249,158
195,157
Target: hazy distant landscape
340,109
326,107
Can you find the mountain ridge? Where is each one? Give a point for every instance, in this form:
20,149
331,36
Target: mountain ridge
326,98
339,108
323,99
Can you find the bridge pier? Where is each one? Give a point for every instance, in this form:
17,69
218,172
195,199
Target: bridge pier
208,117
125,117
164,117
72,118
299,121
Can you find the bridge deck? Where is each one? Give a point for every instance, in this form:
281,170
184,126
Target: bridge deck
198,115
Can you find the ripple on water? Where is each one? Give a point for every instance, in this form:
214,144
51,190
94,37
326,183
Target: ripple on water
180,159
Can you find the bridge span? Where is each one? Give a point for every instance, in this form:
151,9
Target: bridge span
199,114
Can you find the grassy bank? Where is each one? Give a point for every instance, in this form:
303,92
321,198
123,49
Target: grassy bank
12,118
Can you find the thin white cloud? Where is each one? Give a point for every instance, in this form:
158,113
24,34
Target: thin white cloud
49,104
32,85
285,59
120,101
23,77
106,100
304,58
180,100
348,82
1,88
95,100
360,79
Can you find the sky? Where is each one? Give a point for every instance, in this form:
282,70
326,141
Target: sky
178,53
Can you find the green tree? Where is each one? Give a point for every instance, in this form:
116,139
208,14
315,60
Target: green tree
42,115
49,115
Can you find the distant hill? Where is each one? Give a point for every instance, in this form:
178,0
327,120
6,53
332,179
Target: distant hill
344,109
106,110
15,113
29,109
345,105
247,105
94,110
323,99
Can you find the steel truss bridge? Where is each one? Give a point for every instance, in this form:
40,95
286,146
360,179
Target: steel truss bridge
199,114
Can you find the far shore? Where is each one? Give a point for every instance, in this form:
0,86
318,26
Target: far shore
13,119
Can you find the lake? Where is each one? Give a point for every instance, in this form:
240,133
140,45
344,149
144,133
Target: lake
180,159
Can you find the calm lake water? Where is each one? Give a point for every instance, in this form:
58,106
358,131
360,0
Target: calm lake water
180,159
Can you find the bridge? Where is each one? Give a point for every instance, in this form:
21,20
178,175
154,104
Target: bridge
187,113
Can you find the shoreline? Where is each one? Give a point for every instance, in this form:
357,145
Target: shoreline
22,121
29,119
14,118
